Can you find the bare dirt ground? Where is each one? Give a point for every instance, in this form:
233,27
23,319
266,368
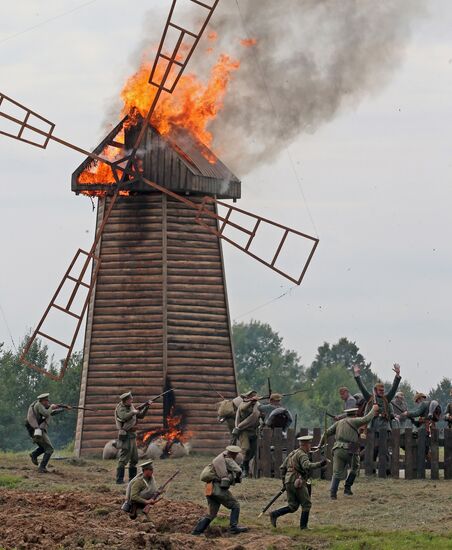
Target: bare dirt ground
78,506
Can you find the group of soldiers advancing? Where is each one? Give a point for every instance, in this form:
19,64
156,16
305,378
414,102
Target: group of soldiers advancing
233,463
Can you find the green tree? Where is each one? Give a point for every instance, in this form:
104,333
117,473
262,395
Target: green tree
344,354
19,386
259,355
442,392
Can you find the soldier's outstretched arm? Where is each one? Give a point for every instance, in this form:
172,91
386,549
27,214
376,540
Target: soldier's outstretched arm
357,372
391,393
360,421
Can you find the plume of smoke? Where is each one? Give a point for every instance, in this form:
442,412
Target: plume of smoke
312,59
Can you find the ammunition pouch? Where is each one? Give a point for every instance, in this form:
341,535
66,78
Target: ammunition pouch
121,442
225,483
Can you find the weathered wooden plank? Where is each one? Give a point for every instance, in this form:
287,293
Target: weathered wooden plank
369,463
410,454
383,465
434,453
395,455
447,453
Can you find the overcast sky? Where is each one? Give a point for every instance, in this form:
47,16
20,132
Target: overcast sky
376,181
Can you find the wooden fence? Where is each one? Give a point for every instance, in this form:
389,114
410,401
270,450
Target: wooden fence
405,455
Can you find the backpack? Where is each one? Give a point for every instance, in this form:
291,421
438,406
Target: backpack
279,418
436,413
226,409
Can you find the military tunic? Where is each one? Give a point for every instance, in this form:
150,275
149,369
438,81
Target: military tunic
126,417
383,418
346,446
39,417
298,466
221,496
248,435
422,411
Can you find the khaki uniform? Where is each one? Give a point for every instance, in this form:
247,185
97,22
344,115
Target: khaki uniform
385,412
126,417
248,436
39,417
346,446
138,491
298,466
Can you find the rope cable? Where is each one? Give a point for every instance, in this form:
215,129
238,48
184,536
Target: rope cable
7,328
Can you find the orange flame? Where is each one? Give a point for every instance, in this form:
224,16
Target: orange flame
173,433
248,42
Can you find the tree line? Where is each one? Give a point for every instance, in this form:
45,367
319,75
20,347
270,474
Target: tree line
259,355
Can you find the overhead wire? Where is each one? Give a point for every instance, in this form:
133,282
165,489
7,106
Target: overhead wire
33,27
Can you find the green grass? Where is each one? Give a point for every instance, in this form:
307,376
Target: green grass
9,481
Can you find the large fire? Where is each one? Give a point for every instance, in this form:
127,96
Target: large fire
174,433
192,106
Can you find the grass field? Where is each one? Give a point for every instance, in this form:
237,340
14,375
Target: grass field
77,506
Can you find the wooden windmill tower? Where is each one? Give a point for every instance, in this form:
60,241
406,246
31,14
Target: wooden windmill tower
153,281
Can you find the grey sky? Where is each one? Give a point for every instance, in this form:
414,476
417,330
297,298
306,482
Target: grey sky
376,179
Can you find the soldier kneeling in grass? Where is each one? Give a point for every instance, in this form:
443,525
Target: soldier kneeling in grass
218,476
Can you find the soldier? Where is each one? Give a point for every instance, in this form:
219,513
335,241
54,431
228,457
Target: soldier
126,417
448,412
427,412
295,473
385,413
246,424
274,403
38,417
141,489
400,406
227,410
348,399
346,448
219,475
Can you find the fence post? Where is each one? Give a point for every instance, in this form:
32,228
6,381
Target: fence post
395,455
266,465
383,465
278,443
409,453
316,455
421,448
434,453
369,453
447,453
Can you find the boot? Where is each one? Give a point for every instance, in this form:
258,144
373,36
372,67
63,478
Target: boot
234,527
334,487
201,526
277,513
304,518
43,466
120,470
348,484
34,455
132,472
245,469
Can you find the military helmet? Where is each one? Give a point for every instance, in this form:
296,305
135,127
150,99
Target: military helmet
43,396
276,397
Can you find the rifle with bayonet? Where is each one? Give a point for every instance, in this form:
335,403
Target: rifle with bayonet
158,495
273,499
217,392
148,403
262,397
70,407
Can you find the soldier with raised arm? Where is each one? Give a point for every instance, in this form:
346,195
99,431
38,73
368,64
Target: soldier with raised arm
346,448
296,475
38,418
126,417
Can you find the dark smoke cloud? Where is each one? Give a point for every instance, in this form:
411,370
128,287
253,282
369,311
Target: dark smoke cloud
312,59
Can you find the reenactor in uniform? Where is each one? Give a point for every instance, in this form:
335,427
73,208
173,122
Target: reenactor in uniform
219,475
296,473
448,412
227,410
126,417
38,418
427,412
383,417
246,425
400,406
348,399
267,408
346,448
141,489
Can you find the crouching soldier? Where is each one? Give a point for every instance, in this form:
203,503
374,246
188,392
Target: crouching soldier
218,476
296,473
38,417
346,448
141,490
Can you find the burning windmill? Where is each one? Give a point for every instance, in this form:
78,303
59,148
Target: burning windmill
153,281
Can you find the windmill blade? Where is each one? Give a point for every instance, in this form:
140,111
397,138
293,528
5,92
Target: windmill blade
249,232
74,278
167,69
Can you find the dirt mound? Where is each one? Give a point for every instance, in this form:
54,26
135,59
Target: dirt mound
73,520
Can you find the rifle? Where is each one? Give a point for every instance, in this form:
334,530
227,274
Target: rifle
69,407
274,499
143,405
269,385
283,394
158,494
217,392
